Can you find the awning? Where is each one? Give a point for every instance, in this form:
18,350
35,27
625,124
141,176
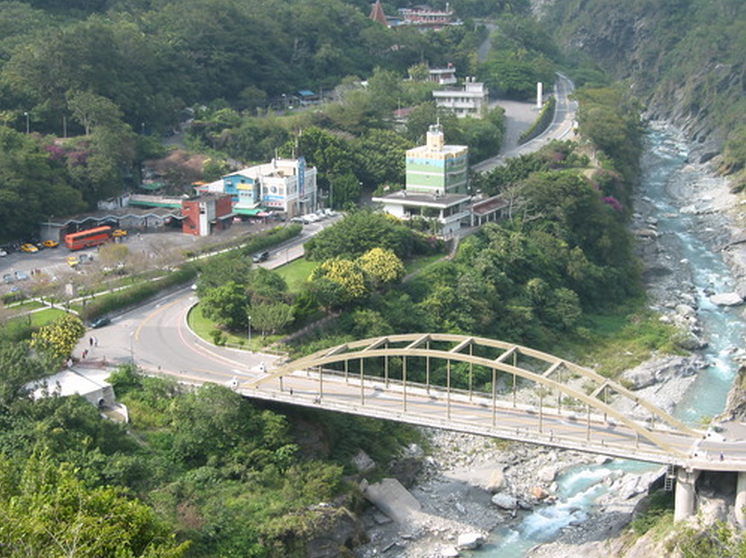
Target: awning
152,186
246,211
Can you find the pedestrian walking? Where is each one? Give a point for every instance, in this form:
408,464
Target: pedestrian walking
95,341
721,456
85,353
90,342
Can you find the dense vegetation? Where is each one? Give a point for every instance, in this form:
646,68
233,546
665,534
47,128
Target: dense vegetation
685,58
561,255
97,83
196,473
204,472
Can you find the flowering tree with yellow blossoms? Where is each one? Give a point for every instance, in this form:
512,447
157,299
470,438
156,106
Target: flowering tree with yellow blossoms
382,266
58,339
338,282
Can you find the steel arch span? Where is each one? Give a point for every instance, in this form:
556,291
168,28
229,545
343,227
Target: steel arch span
390,357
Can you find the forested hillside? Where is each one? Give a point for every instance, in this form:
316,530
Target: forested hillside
685,58
88,90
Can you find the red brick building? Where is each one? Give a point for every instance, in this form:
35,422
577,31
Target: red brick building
206,214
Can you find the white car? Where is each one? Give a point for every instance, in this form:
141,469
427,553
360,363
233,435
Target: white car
3,253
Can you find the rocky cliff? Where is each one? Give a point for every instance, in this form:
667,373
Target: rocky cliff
684,59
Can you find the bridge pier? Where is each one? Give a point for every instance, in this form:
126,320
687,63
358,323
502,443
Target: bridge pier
741,499
685,499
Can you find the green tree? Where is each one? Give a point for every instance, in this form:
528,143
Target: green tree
359,232
46,511
32,186
380,157
92,110
270,317
514,74
20,367
419,72
344,191
226,305
222,269
265,285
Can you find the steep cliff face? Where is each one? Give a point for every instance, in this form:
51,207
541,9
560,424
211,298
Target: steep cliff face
684,58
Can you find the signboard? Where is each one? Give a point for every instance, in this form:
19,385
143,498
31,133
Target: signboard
302,176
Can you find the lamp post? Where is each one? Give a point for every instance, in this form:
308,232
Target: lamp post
249,332
28,124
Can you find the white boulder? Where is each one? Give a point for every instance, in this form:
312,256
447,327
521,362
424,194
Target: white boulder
469,541
726,299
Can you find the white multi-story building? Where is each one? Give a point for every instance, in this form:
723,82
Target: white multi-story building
285,186
443,76
472,100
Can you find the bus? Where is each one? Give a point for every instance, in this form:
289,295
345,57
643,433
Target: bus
88,238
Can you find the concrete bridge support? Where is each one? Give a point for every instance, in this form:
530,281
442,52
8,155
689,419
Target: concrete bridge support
741,499
685,500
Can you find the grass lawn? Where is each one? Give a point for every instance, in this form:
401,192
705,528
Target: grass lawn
296,272
26,305
37,319
421,262
204,328
622,340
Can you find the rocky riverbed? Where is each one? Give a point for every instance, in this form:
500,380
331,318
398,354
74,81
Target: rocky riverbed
470,485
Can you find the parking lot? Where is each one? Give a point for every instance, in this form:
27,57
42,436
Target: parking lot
22,268
19,269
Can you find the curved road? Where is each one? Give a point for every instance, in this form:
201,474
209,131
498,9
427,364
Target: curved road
519,116
157,338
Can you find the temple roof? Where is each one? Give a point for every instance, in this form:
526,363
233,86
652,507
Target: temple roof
376,14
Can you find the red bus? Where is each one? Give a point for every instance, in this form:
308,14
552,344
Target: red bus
86,239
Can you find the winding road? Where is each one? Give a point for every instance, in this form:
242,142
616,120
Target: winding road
519,116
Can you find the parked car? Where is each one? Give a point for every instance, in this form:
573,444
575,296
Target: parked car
21,276
260,257
3,253
73,261
50,244
29,248
8,278
100,322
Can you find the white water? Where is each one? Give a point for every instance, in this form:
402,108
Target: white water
723,329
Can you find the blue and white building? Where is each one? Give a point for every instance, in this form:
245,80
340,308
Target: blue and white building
285,186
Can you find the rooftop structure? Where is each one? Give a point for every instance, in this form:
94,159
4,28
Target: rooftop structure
443,76
426,18
376,14
471,100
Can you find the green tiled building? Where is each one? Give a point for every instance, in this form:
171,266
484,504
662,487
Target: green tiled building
436,168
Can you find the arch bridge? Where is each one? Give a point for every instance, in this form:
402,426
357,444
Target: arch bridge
502,390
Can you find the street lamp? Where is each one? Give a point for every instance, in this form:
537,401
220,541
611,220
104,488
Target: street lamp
249,332
28,125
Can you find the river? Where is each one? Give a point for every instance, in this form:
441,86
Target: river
688,242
